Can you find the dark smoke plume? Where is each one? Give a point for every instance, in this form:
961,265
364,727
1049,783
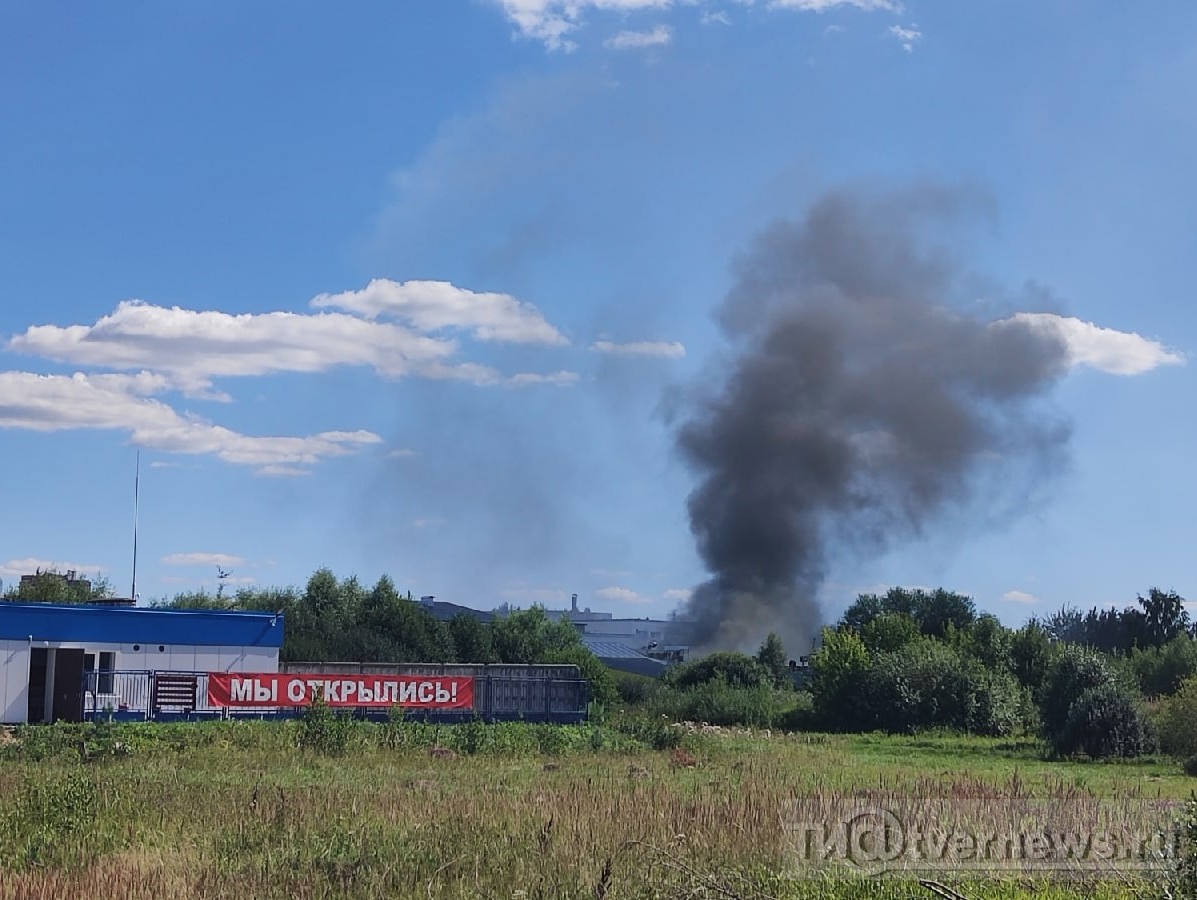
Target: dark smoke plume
859,403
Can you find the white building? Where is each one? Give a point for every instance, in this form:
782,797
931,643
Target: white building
58,661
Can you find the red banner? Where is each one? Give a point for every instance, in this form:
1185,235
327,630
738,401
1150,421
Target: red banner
245,689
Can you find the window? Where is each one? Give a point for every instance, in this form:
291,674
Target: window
104,676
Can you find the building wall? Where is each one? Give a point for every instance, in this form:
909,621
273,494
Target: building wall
14,681
15,658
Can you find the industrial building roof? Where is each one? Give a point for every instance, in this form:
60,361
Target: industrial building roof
620,656
125,625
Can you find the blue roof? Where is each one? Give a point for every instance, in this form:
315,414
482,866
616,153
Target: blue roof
133,625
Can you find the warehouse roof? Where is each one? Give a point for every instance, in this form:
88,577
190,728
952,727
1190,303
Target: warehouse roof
125,625
617,655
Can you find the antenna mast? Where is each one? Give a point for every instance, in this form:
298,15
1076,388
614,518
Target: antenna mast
136,495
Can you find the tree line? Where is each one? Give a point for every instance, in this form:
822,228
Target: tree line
909,660
335,619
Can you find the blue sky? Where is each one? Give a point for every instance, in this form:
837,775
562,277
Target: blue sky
407,288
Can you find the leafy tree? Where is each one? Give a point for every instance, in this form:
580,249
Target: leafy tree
1077,670
1159,671
1031,657
989,641
527,635
839,670
863,610
890,631
602,682
51,586
1176,720
934,611
472,641
930,684
1104,721
941,610
772,657
1164,615
1066,625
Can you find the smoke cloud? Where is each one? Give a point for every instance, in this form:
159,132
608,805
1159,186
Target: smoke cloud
858,404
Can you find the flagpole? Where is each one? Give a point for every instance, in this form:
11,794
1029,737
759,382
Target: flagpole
136,495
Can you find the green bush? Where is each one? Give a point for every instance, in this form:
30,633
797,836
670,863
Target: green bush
928,684
635,690
735,669
654,732
839,671
1176,720
1075,671
323,731
1104,721
1161,670
720,703
800,716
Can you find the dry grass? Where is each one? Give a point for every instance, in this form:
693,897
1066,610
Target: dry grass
235,818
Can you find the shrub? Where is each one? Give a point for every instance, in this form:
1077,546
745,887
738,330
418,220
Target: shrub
1076,670
602,683
1104,721
323,731
652,731
735,669
635,690
719,703
1190,765
1176,720
839,670
801,714
928,684
1161,670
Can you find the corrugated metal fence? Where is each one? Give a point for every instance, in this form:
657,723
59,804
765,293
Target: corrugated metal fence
534,693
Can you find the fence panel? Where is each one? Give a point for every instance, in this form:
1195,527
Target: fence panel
143,695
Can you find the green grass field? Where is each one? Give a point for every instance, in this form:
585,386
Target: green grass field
406,810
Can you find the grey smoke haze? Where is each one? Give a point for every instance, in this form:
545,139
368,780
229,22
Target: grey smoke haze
859,403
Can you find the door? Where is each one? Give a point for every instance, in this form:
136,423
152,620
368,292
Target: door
37,685
68,685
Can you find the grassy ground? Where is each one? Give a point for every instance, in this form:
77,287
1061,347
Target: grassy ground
401,810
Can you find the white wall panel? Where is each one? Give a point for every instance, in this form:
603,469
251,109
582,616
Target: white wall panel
14,681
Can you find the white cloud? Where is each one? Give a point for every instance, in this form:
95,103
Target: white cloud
277,471
436,305
194,347
677,595
825,5
51,403
402,453
1019,597
621,595
30,565
223,560
1105,349
907,36
561,379
661,349
550,21
634,40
